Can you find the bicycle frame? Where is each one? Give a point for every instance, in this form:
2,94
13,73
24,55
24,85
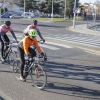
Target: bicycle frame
33,63
9,48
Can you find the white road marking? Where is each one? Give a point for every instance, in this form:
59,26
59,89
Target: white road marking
49,47
53,29
92,52
72,41
61,45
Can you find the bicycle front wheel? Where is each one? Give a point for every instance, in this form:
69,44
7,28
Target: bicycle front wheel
38,76
16,68
11,57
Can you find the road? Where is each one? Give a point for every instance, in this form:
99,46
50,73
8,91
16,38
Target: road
59,31
73,74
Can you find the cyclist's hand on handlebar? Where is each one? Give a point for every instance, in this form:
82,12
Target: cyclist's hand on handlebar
42,54
43,40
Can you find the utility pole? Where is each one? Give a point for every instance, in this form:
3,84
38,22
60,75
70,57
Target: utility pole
4,7
74,14
65,11
52,12
24,8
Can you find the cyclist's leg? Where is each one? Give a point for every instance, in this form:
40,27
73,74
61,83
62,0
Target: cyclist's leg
22,59
7,40
33,53
2,47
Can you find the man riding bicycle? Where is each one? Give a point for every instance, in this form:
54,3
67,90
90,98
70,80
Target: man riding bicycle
25,49
3,37
33,26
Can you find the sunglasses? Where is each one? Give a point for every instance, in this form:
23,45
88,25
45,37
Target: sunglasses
32,37
35,23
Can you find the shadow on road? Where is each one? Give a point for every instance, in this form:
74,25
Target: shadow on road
1,98
59,74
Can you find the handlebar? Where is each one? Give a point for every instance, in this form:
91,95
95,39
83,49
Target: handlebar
40,41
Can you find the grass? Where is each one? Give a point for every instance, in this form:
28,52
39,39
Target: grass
54,19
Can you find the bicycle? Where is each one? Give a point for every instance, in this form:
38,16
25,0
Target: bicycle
8,53
36,71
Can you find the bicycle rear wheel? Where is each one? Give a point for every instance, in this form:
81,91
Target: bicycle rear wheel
16,68
38,76
11,57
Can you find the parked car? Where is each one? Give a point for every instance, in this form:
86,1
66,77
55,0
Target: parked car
16,16
6,15
28,15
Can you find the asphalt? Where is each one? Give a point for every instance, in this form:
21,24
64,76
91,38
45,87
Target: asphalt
82,29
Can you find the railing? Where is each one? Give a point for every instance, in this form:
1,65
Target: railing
93,24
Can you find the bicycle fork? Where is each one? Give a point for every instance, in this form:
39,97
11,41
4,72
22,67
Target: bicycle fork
37,72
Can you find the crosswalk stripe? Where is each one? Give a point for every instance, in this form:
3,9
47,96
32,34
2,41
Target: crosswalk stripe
49,47
82,39
76,42
62,45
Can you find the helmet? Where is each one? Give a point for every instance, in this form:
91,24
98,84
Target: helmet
32,33
35,22
8,23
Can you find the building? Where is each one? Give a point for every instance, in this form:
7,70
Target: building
12,6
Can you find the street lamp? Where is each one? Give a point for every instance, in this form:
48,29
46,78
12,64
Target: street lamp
95,8
74,14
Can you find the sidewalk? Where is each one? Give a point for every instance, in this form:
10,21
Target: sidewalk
82,29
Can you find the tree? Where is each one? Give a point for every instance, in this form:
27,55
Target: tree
46,6
70,6
97,3
29,4
2,10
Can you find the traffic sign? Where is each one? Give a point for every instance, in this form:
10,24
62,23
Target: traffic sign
74,10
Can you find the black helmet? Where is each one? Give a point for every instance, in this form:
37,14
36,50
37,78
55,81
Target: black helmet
35,22
8,23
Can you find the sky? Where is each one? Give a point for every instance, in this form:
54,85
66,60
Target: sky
88,1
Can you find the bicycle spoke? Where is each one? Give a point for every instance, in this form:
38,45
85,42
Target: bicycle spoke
11,58
38,77
16,68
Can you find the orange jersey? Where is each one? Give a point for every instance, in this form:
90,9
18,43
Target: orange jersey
27,42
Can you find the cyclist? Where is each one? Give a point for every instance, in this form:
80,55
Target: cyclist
3,37
25,49
33,26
